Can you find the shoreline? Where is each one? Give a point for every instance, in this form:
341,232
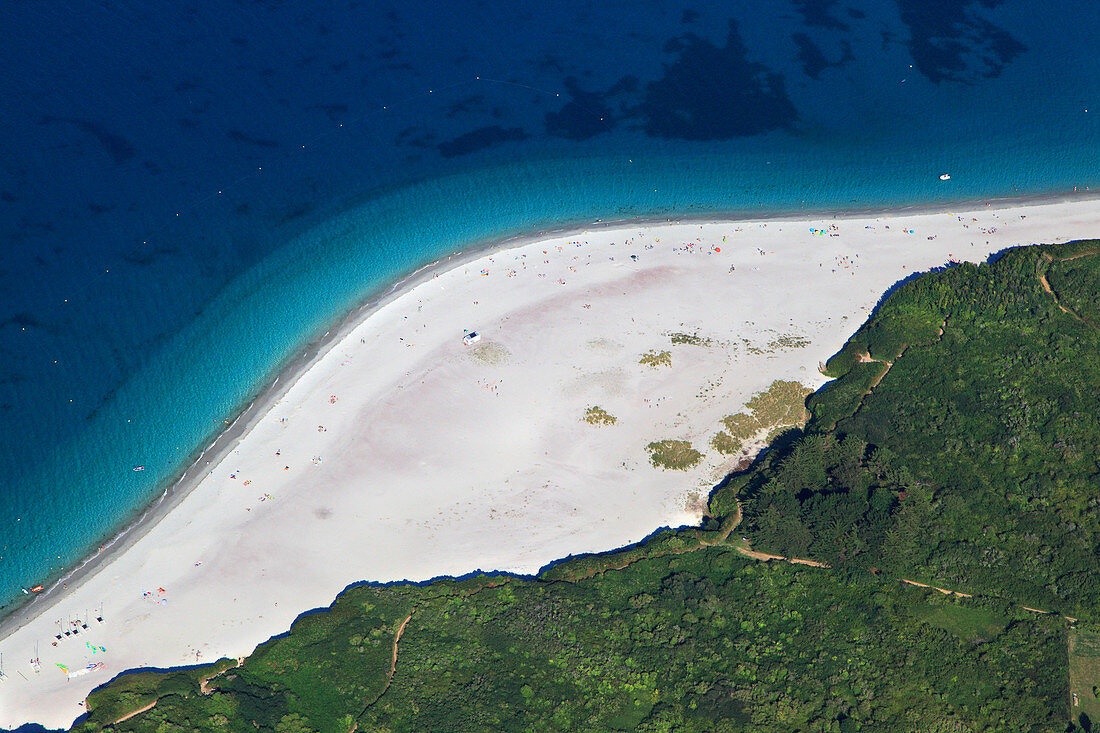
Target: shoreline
387,449
176,488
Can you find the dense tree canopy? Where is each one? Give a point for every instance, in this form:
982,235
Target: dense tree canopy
957,446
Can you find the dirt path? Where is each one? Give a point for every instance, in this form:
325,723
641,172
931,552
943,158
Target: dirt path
755,555
889,366
204,688
1071,619
764,556
139,711
1085,253
1046,257
393,668
945,591
1046,287
719,537
866,358
397,638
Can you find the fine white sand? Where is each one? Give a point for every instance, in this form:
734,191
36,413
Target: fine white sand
403,454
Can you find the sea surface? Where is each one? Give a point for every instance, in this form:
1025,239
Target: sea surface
190,191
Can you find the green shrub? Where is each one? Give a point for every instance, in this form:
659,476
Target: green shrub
673,454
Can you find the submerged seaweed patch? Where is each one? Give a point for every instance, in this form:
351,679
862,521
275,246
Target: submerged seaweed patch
479,139
818,13
585,114
241,137
812,58
712,93
949,42
119,148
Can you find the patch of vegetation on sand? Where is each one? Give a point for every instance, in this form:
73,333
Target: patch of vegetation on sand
490,353
690,339
656,358
604,344
596,415
788,341
673,454
724,443
781,406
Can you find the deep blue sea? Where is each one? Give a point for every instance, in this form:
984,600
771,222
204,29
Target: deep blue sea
189,191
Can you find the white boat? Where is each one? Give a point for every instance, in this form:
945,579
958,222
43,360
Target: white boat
138,468
945,177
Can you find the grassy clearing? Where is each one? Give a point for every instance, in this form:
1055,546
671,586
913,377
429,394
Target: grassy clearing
966,621
673,454
1084,673
596,415
654,358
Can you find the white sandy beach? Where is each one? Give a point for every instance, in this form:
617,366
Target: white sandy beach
404,454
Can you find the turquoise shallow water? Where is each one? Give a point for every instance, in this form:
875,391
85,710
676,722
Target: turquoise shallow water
196,193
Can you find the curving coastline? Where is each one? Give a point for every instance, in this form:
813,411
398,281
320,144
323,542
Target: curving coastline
175,488
291,374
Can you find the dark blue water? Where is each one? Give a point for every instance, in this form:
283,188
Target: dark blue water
190,191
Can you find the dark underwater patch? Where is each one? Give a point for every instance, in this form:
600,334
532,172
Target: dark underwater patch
119,148
24,320
479,139
712,93
295,212
415,136
585,115
813,60
333,111
818,14
950,42
472,103
139,256
240,137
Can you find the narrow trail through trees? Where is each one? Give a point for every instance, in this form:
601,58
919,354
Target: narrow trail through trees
1049,259
139,711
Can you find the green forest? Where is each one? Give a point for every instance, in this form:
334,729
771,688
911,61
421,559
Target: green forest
956,447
